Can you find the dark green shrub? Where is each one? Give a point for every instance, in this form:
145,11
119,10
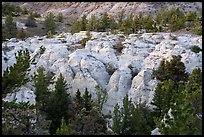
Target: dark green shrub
83,41
118,48
50,23
21,34
59,17
110,69
30,22
195,49
42,49
63,41
130,66
16,75
174,70
198,30
10,27
134,72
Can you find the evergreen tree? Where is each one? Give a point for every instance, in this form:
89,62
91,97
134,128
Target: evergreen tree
116,120
24,10
5,33
41,83
197,25
120,18
75,27
10,26
162,97
191,16
93,24
131,121
136,24
138,124
105,22
65,129
58,105
10,9
78,102
177,19
113,24
126,113
148,23
18,119
174,70
87,117
184,120
83,23
101,97
50,23
89,122
60,17
16,75
126,26
194,90
88,103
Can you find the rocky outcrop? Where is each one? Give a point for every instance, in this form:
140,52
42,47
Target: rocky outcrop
100,64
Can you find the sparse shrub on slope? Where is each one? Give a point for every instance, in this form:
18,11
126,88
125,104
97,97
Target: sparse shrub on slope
50,23
21,34
59,17
10,27
195,49
30,22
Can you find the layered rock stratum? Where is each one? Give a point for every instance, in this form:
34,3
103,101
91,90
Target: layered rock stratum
77,9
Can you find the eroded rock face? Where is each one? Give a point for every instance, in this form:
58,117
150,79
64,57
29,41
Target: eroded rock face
100,64
78,9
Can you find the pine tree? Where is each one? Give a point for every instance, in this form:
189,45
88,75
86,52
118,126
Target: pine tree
185,120
87,117
148,23
131,121
191,16
194,89
113,24
127,25
174,70
65,129
101,97
16,75
58,104
126,112
75,27
89,122
10,26
50,23
41,83
104,22
120,18
116,120
88,103
138,124
136,24
60,17
83,23
78,102
162,97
